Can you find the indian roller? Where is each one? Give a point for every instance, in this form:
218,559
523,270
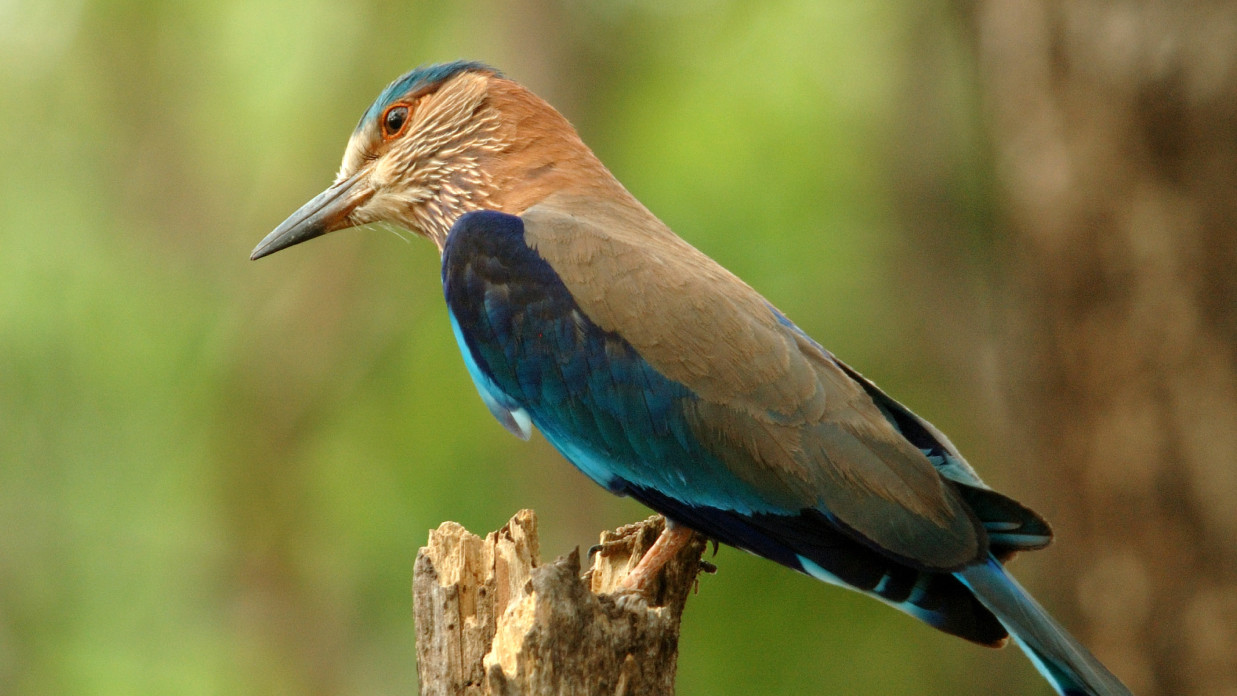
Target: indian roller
662,376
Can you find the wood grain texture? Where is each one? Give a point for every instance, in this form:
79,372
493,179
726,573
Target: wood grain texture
491,619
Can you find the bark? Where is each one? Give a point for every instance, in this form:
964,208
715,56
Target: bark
1115,139
491,619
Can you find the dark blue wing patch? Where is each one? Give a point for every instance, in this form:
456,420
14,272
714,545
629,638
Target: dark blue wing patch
588,392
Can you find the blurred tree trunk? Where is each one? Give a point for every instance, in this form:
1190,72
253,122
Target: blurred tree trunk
1114,129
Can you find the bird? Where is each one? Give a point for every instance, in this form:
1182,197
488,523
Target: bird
664,377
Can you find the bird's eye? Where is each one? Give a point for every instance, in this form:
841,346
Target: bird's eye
394,120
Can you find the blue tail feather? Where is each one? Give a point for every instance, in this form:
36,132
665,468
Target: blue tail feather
1064,662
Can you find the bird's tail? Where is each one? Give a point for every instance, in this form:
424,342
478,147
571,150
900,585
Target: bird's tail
1070,667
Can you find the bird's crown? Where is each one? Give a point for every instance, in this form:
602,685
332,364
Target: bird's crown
424,78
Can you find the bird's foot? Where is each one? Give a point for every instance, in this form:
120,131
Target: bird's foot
672,539
648,563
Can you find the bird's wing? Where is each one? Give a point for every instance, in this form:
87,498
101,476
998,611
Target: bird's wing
648,364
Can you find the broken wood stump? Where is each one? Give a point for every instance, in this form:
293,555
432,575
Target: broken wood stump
493,620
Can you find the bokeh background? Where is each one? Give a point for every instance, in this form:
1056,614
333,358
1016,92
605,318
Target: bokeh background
215,474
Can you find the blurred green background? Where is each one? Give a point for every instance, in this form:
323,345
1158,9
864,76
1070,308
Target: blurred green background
215,474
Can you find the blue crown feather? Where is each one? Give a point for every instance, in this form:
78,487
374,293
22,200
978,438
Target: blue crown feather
416,79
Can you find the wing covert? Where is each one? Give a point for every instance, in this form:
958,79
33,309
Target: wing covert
779,413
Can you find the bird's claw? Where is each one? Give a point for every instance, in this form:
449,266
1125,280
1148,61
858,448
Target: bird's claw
605,547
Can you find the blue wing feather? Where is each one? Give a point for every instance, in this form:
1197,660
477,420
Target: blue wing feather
513,417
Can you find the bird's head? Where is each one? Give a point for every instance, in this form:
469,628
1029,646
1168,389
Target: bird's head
438,142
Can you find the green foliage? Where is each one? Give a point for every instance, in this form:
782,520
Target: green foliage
214,474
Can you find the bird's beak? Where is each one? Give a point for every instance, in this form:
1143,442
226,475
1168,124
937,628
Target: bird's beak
326,212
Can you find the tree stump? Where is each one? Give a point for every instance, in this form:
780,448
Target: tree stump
491,619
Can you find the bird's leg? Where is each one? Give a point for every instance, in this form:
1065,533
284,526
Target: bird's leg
671,540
